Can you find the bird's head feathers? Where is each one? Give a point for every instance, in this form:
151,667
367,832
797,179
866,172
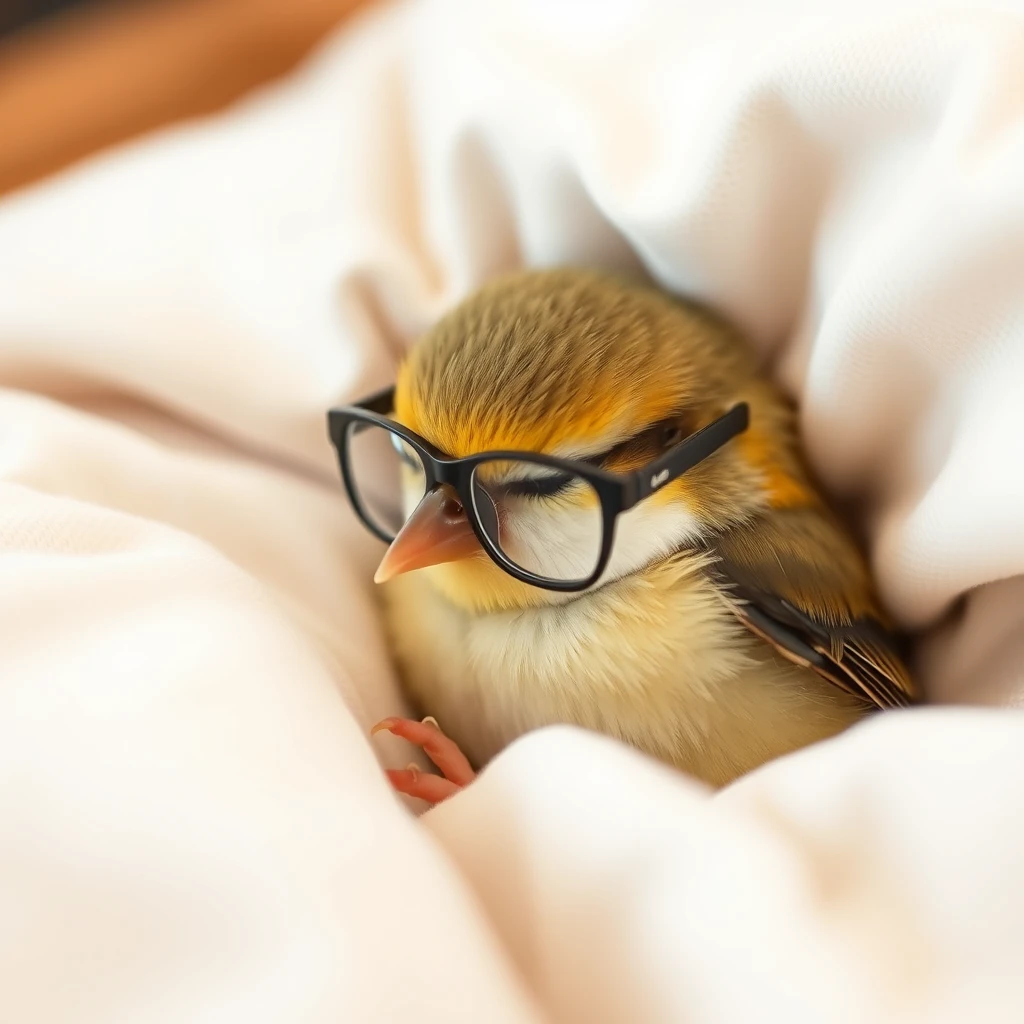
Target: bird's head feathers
580,365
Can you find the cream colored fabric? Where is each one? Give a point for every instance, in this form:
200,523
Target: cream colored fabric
193,825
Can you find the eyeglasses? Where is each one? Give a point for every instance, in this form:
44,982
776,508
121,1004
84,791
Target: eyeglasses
546,521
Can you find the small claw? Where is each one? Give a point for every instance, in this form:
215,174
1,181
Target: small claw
430,720
384,725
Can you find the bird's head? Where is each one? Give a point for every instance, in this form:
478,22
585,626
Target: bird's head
583,366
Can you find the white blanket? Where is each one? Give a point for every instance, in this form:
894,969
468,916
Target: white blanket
193,823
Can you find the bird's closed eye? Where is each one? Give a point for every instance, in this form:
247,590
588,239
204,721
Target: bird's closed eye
538,486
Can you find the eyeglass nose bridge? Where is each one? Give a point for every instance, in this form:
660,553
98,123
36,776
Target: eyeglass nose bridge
448,475
444,473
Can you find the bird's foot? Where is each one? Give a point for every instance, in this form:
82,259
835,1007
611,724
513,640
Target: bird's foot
455,768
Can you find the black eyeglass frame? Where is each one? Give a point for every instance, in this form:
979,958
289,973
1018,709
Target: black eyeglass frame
618,492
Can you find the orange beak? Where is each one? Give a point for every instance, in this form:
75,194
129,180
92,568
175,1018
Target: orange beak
437,531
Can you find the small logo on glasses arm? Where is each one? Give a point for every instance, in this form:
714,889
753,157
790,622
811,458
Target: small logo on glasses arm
658,479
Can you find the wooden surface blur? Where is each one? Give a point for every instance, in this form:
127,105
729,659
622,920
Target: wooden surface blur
103,73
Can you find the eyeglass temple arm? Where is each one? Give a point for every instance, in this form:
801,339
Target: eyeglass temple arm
695,449
381,402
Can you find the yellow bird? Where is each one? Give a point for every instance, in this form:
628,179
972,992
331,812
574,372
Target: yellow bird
610,525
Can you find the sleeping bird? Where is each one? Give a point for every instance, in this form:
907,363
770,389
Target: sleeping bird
599,515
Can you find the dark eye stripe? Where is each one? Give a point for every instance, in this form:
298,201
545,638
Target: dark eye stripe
648,443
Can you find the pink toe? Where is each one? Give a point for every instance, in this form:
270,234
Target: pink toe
444,752
424,785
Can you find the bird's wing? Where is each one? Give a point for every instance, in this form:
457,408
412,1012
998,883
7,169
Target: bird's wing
794,578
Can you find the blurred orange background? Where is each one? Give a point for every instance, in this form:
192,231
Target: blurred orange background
99,72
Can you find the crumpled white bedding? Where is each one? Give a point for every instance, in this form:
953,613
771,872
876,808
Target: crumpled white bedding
193,824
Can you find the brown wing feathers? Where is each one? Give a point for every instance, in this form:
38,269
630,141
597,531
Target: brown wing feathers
795,579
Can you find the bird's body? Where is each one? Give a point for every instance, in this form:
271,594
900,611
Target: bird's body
656,659
736,620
